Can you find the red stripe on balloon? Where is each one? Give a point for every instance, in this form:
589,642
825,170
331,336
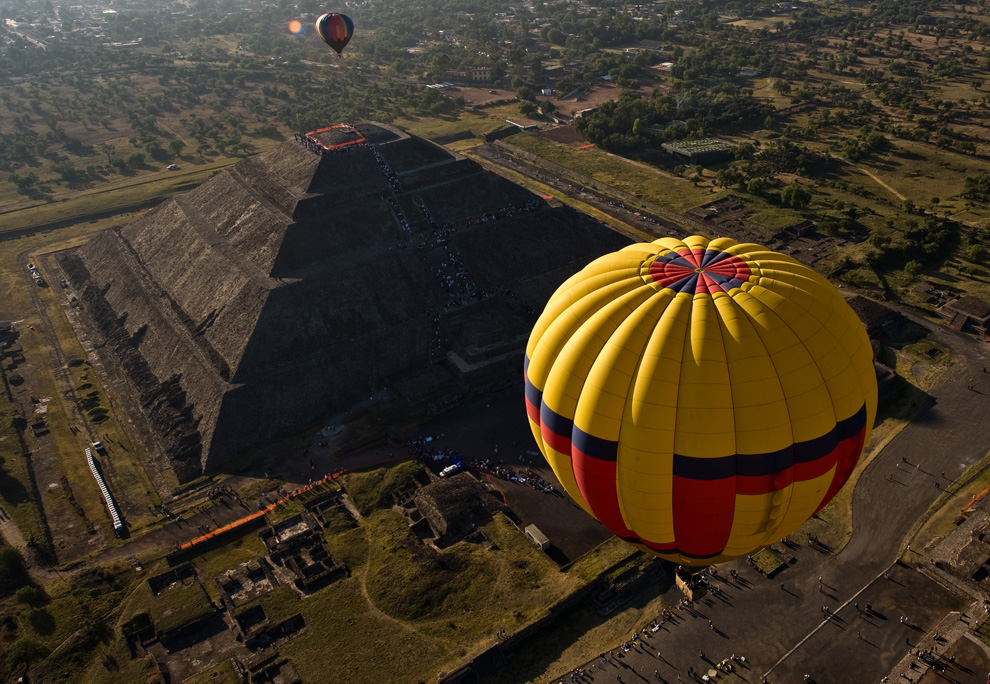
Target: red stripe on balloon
812,469
756,484
556,442
533,411
596,480
703,511
848,455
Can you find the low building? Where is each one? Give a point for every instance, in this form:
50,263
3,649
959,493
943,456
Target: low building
967,314
880,321
534,534
701,151
474,74
455,507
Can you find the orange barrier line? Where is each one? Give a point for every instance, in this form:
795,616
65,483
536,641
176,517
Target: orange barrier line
975,499
254,516
338,145
584,147
330,128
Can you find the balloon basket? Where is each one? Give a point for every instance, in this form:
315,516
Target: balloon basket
690,584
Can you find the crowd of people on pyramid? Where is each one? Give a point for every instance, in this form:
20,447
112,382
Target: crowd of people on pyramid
501,213
400,215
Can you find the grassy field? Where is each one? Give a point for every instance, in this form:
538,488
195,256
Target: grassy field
546,190
120,196
635,178
224,673
481,123
405,613
581,633
923,172
372,489
75,622
947,510
125,471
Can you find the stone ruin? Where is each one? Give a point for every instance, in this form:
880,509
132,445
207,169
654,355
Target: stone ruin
330,502
294,285
233,628
447,511
297,544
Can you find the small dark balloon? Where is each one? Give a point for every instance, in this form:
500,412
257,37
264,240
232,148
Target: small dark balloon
335,30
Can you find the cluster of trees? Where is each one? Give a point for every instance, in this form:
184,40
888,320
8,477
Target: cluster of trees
625,124
755,171
921,244
15,581
868,140
978,187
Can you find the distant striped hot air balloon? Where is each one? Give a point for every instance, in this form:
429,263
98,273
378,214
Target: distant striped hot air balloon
702,399
335,30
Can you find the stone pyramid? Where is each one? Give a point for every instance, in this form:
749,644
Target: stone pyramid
296,285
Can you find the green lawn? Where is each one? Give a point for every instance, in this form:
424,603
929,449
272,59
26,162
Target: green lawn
118,196
635,178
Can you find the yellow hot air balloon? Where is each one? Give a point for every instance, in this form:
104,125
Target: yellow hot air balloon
702,399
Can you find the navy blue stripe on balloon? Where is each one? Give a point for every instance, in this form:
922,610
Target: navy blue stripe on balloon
533,395
771,463
595,447
557,424
713,256
688,284
747,465
675,258
852,425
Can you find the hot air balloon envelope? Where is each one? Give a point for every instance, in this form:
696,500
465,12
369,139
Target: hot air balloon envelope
702,399
335,30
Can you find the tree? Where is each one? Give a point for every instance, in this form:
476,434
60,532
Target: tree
757,186
24,652
913,268
744,150
727,177
11,559
977,254
110,150
29,595
795,196
175,146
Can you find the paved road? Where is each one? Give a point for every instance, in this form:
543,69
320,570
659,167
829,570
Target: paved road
778,624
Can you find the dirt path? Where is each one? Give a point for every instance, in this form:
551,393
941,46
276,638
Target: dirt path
876,179
375,610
